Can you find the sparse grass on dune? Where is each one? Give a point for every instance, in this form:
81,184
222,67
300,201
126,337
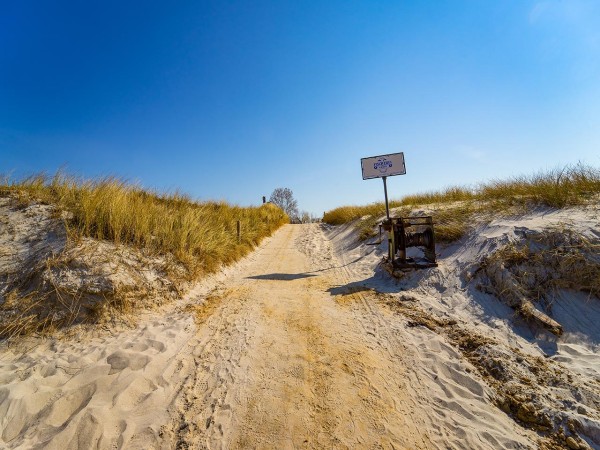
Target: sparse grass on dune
345,214
571,185
452,223
202,236
451,194
452,208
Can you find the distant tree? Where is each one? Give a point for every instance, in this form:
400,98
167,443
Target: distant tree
305,217
284,198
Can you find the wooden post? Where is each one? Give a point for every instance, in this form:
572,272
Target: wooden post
239,231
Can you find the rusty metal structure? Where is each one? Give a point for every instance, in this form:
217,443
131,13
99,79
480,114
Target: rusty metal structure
405,232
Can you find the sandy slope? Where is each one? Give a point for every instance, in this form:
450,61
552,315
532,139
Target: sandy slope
556,376
282,351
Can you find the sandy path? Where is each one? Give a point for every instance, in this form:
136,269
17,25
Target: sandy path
282,362
287,349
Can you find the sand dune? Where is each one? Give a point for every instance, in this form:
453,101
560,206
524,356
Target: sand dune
307,344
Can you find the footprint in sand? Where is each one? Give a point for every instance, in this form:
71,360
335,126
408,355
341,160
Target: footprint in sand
135,346
68,405
157,345
120,360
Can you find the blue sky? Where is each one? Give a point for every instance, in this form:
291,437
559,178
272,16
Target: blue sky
229,100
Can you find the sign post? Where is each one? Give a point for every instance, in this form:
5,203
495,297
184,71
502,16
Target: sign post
384,166
387,206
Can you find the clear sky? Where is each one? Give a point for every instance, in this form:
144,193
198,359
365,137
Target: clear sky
231,99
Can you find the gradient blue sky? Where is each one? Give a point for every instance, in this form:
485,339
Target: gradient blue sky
229,100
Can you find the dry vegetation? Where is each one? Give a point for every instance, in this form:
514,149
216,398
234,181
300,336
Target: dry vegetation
543,263
114,232
200,235
524,386
454,207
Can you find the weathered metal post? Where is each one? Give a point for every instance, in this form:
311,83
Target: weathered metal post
391,245
387,206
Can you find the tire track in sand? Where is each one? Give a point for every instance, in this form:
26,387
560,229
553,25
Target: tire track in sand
281,364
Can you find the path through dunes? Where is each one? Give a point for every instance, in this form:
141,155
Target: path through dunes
284,350
284,361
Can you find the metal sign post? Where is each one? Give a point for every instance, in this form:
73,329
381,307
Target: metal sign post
387,206
384,166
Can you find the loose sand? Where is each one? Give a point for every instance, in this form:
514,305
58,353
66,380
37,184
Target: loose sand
294,347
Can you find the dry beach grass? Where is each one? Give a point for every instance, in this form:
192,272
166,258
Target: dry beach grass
110,227
452,208
201,235
300,344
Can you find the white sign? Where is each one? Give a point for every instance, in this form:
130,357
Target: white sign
383,166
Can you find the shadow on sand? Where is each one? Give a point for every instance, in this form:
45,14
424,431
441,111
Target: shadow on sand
350,288
282,276
379,282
